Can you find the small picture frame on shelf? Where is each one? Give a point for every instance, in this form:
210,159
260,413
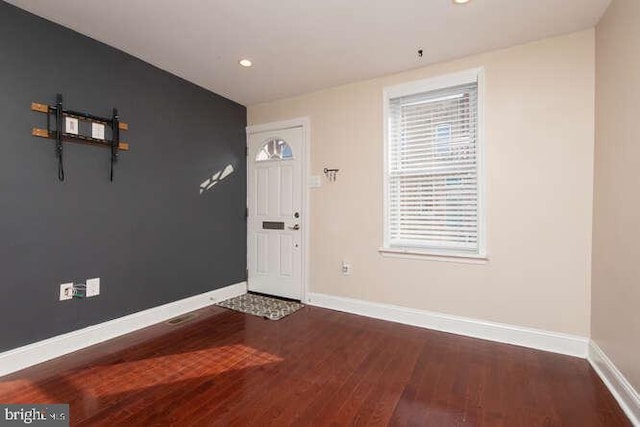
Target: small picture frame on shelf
71,125
97,131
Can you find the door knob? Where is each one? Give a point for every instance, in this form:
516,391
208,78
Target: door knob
295,227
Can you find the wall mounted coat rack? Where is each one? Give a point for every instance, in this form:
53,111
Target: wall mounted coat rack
331,174
67,129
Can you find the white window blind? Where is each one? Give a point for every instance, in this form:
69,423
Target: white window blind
433,170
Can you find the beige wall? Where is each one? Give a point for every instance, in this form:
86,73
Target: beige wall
539,145
616,232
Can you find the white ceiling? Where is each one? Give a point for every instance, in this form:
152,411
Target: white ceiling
298,46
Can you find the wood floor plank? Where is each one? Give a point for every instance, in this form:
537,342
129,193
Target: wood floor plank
300,387
315,367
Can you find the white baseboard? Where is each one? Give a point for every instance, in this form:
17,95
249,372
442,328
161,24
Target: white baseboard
571,345
41,351
620,388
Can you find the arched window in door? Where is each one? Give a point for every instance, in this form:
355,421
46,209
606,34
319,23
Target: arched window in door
274,149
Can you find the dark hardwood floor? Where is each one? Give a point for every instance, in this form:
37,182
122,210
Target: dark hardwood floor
315,367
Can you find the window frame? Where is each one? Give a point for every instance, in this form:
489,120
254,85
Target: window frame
475,75
271,158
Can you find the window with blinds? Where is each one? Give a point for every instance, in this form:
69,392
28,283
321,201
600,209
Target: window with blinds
433,171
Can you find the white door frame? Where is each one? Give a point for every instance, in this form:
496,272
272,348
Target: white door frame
305,124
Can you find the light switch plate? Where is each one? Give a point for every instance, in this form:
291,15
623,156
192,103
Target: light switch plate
315,181
93,287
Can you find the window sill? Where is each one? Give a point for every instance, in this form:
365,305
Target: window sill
460,258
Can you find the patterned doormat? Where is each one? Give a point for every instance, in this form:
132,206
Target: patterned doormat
258,305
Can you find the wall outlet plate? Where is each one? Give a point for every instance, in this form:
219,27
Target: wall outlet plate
66,291
346,268
93,287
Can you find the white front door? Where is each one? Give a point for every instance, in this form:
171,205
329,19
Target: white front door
274,186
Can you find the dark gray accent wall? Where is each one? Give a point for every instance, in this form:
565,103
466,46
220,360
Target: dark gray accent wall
150,235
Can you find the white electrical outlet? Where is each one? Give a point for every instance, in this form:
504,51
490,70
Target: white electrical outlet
66,291
346,268
93,287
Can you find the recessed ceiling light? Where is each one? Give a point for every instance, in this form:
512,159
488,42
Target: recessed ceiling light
461,1
245,63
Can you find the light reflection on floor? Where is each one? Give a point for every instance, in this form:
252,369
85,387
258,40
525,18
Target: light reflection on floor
97,380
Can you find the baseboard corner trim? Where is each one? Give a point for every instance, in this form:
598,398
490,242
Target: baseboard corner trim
571,345
627,397
41,351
